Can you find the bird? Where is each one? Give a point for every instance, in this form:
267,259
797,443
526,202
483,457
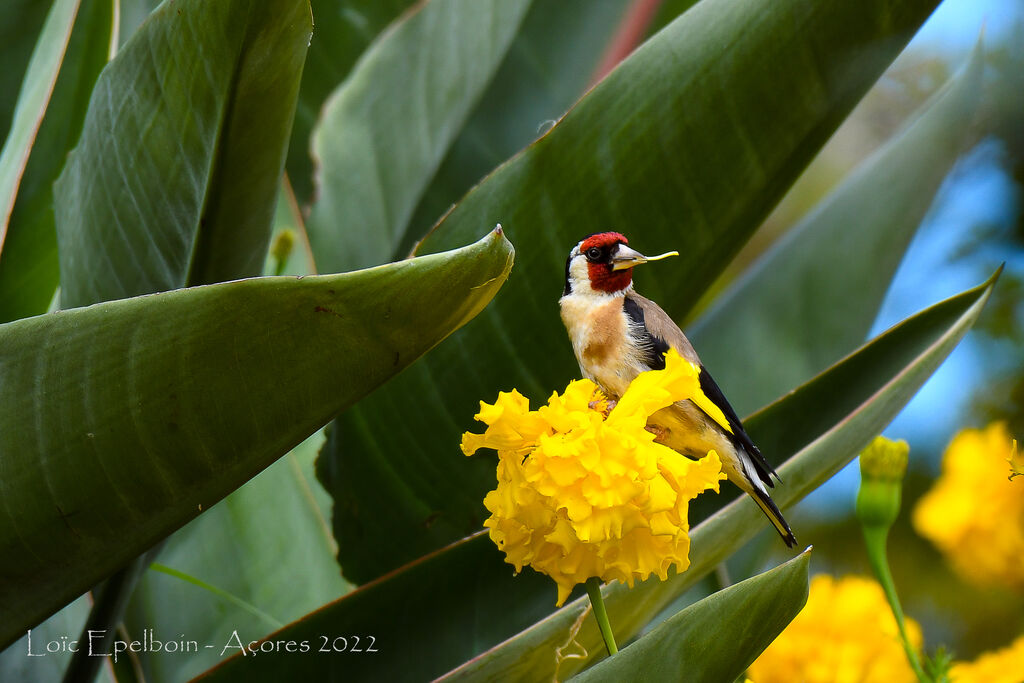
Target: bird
616,334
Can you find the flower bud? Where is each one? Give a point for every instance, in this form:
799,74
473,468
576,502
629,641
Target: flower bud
882,466
282,249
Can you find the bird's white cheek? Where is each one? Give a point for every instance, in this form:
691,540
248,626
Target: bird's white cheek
579,274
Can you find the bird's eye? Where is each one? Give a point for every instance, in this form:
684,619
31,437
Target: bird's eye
593,254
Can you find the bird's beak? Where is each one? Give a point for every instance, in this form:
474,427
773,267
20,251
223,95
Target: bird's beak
627,258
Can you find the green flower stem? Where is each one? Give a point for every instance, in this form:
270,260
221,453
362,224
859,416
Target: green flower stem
875,540
594,591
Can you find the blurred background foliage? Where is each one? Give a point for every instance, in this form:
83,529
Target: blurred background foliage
558,51
975,222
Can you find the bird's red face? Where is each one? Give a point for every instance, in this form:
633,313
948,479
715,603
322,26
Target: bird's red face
599,250
603,263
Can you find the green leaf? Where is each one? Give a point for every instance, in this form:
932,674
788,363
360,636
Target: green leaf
269,544
252,545
20,24
457,602
687,144
247,154
794,305
545,69
342,29
32,100
121,419
717,638
386,130
824,423
427,612
549,65
29,267
177,168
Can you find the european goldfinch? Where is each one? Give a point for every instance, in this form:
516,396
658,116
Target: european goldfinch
616,334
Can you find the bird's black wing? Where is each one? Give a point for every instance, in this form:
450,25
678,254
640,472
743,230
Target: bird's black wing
740,436
655,347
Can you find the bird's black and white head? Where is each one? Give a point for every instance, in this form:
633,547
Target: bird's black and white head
603,263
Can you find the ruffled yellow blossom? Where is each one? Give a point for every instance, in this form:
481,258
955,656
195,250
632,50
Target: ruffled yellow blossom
973,514
845,634
1001,666
580,494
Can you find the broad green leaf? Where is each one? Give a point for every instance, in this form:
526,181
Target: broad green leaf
123,419
269,543
342,29
792,314
249,91
32,100
251,544
451,615
386,130
29,268
824,423
687,144
20,24
230,73
547,68
717,638
427,613
175,176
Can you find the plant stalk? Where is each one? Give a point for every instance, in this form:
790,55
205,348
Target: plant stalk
594,591
875,541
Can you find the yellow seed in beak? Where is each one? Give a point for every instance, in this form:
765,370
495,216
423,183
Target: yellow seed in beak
661,256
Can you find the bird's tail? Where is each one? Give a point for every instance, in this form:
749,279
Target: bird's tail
774,515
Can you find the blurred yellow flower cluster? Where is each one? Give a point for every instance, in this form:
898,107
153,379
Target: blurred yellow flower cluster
974,513
1001,666
586,492
845,633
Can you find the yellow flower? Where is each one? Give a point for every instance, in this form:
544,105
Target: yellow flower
580,494
1001,666
845,634
973,513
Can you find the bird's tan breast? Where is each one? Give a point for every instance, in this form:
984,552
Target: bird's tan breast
601,341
